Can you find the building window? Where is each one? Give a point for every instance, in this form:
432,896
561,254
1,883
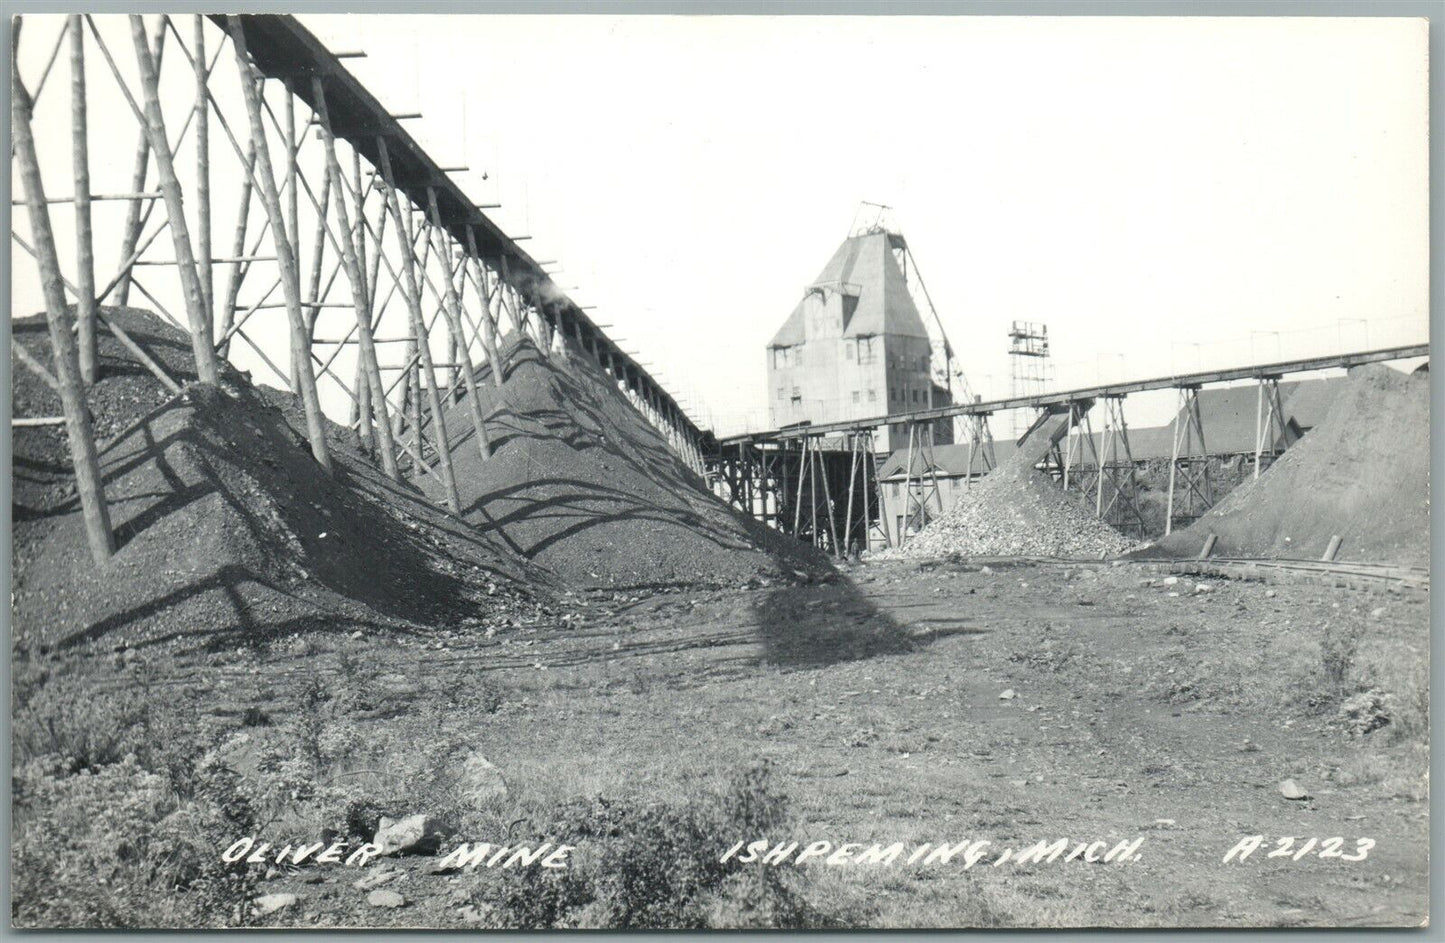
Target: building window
915,396
856,397
797,395
866,350
848,349
897,489
872,396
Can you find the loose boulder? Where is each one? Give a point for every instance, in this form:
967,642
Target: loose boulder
270,903
385,898
416,834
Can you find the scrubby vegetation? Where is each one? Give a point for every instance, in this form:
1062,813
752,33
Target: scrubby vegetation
118,813
654,865
123,804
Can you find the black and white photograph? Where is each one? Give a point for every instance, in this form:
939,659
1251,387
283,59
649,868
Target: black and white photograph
766,470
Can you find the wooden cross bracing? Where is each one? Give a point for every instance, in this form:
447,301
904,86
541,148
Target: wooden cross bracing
1188,463
364,292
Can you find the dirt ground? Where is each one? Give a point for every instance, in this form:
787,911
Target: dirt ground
899,702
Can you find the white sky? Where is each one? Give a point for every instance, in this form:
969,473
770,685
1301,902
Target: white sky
1155,189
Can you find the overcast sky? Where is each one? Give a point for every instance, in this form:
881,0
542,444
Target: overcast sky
1141,185
1166,193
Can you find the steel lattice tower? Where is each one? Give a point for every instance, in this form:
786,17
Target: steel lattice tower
1028,366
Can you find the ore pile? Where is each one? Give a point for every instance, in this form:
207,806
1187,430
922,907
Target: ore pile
1017,510
1362,474
227,529
581,484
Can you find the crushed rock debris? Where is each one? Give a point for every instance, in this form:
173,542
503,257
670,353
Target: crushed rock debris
1016,510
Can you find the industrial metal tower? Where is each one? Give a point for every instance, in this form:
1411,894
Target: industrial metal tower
1028,366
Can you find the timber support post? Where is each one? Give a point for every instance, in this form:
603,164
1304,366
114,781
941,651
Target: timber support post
201,347
203,179
457,336
1188,452
907,488
371,388
418,326
134,220
85,301
1120,474
78,427
1271,435
285,252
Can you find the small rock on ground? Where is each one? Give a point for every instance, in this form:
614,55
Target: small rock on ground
481,782
385,898
270,903
376,879
1292,790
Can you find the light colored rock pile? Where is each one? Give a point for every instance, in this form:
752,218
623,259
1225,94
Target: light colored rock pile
1016,511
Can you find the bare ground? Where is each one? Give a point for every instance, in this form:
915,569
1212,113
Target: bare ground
1139,709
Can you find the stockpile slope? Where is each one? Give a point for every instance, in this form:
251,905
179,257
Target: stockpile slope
228,529
580,483
1017,510
1363,473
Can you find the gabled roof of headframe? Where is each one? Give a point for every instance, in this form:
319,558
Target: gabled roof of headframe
862,266
792,331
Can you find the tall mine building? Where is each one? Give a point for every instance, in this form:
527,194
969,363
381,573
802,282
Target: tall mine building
855,345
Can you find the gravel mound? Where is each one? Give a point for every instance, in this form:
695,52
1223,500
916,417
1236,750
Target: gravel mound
1017,510
1017,513
581,484
228,531
1363,473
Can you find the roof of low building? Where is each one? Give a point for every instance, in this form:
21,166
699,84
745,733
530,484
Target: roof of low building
1228,416
948,460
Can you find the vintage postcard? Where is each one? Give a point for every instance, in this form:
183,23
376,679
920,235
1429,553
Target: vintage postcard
709,472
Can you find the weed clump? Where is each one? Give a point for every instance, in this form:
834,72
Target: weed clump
1338,650
651,864
60,716
1365,712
